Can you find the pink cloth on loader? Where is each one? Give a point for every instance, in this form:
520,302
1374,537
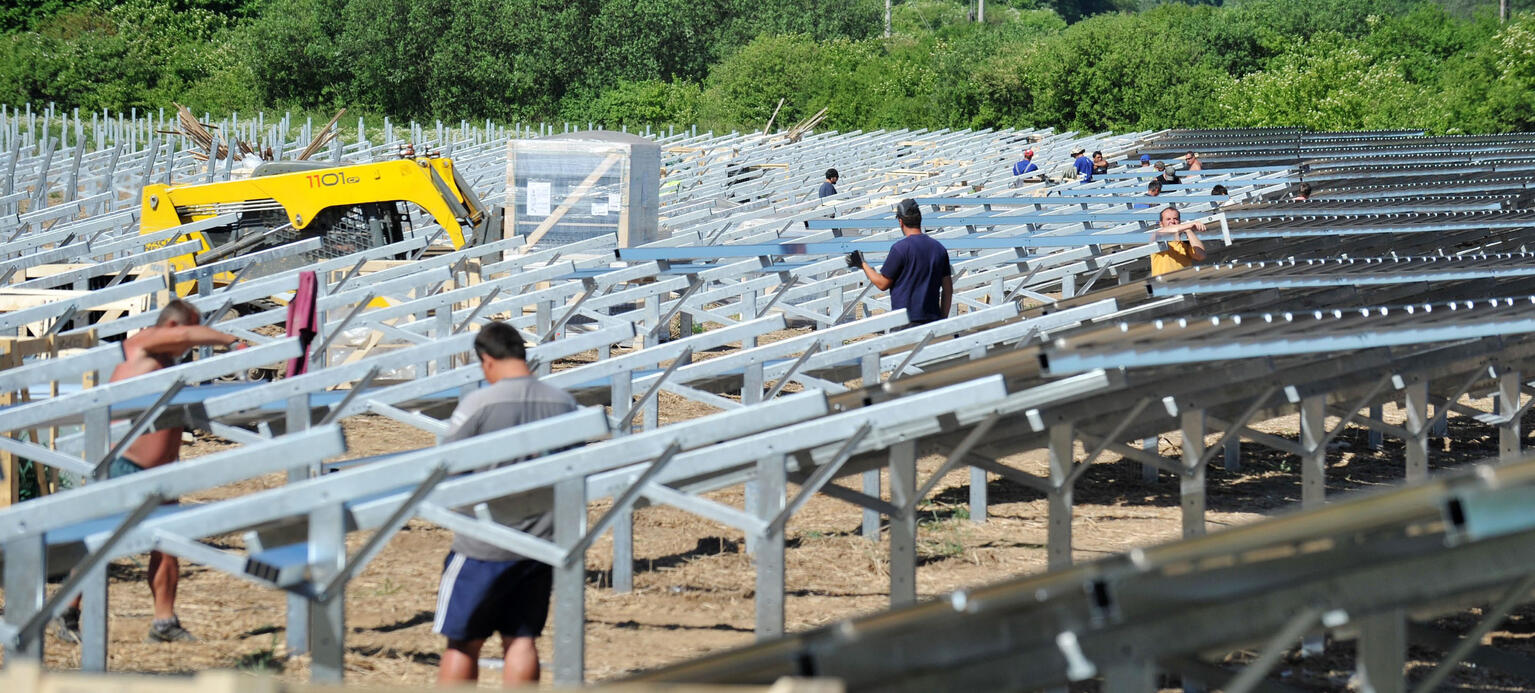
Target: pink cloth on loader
301,321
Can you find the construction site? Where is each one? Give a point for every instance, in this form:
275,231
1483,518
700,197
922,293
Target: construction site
1297,464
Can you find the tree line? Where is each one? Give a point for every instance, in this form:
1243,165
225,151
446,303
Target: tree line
1090,65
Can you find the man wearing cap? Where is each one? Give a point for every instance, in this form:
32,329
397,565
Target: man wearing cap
1027,165
1145,159
1083,165
1166,175
916,272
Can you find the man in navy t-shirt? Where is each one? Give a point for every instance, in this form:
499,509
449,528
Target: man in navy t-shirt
916,272
830,186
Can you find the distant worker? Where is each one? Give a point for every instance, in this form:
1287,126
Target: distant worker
486,589
1027,165
1153,189
176,331
1179,254
1145,160
1219,190
829,187
1166,175
1303,192
916,273
1191,162
1100,164
1082,164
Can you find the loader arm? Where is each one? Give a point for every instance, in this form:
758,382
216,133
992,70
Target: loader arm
301,197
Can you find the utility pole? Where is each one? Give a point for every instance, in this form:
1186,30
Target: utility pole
980,15
887,18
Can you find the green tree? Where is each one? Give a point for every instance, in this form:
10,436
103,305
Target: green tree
388,46
1331,83
1491,88
295,59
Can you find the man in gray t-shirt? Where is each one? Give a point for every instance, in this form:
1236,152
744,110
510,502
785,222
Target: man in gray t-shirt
486,589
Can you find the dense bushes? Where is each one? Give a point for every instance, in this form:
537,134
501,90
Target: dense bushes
1447,67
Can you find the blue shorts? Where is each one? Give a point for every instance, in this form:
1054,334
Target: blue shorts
122,466
477,598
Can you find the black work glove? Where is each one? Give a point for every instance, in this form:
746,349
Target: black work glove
855,259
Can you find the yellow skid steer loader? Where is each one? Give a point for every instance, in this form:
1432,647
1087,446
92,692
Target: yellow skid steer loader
349,208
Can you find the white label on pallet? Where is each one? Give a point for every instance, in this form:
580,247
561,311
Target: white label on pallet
538,198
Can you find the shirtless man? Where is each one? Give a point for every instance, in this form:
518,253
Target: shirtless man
177,331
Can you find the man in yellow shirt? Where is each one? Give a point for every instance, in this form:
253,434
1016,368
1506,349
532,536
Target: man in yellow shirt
1179,253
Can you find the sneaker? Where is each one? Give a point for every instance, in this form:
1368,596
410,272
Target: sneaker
169,631
67,626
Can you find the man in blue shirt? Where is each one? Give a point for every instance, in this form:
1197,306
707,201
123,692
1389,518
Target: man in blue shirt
1027,165
916,272
830,186
1083,165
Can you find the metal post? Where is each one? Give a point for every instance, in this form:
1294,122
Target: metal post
1383,652
1191,484
1509,445
869,373
1149,471
1313,431
94,604
25,590
623,552
1233,454
94,611
298,607
903,529
1377,439
1417,426
1130,677
1062,453
1313,411
772,482
570,584
327,619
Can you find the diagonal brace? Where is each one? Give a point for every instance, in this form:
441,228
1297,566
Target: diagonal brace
1255,672
789,374
137,428
1490,619
912,355
1114,435
554,327
622,503
381,536
475,312
34,626
1234,429
821,477
959,453
335,411
628,417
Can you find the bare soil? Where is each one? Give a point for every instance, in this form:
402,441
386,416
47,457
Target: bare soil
694,582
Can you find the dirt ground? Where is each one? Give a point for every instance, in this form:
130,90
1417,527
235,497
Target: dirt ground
694,586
